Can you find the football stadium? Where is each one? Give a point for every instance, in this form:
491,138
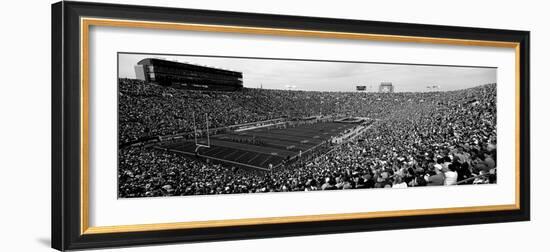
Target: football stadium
267,146
195,130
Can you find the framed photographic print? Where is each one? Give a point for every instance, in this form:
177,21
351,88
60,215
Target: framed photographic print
181,125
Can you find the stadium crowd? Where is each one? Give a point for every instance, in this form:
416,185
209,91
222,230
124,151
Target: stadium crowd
420,139
147,110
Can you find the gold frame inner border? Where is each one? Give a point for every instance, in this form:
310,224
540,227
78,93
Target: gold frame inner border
86,23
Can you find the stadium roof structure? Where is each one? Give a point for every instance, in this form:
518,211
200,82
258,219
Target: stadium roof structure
156,61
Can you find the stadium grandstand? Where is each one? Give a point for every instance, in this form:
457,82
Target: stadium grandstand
187,76
264,140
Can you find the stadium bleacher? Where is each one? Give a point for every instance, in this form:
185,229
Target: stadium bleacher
419,139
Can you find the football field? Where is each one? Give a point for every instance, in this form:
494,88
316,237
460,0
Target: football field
259,148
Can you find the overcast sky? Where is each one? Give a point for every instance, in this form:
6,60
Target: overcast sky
331,76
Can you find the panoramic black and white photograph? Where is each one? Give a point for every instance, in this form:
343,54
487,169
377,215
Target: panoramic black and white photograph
208,125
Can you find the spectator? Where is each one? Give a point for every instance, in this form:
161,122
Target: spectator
419,139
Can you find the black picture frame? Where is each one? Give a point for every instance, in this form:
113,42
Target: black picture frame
66,114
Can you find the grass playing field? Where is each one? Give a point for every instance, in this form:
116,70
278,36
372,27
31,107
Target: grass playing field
258,148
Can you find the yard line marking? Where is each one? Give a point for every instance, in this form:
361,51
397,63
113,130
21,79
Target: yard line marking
257,155
219,159
240,156
218,151
229,154
265,160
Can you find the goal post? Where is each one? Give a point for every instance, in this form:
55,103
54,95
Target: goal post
207,130
198,144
